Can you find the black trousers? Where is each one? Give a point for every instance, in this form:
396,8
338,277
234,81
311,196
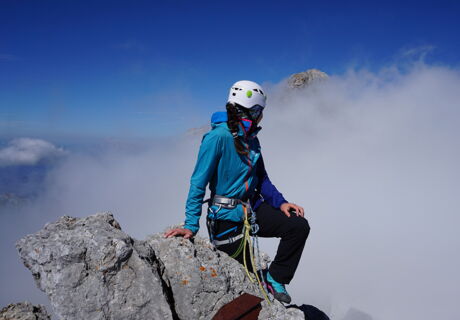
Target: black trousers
272,222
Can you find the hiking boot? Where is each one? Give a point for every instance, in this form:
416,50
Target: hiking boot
278,290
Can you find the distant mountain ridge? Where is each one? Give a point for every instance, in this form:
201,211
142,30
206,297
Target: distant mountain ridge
304,79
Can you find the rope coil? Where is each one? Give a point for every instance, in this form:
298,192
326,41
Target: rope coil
247,243
247,240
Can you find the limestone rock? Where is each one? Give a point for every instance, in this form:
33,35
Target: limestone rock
24,311
201,278
306,78
276,311
91,269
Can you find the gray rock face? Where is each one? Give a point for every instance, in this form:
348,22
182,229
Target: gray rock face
90,269
306,78
202,279
24,311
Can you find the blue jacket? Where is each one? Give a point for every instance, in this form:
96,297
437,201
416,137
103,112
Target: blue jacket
229,174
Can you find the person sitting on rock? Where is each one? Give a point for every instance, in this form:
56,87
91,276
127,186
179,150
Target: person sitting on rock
231,162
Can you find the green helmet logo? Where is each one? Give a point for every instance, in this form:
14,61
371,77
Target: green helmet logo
249,93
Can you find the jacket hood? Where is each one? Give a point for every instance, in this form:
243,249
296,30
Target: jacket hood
219,117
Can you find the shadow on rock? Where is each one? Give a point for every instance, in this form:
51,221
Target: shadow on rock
311,312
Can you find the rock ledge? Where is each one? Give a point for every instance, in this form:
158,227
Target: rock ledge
91,269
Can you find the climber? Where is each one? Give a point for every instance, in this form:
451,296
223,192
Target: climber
230,160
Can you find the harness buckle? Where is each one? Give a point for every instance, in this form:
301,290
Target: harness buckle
254,228
227,203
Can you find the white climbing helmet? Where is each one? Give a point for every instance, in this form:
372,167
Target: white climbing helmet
247,94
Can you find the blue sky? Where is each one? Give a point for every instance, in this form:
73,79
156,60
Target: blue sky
143,68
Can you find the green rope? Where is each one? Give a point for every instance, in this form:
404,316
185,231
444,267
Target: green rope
238,251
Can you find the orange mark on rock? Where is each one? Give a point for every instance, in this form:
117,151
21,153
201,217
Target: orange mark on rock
213,272
202,268
185,282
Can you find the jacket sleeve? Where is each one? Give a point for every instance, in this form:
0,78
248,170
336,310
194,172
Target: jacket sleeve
208,158
269,193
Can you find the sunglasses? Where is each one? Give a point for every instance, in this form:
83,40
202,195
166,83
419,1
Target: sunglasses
255,111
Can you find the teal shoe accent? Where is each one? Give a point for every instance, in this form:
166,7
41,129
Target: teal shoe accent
278,290
278,287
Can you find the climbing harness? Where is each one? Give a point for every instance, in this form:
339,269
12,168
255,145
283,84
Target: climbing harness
247,243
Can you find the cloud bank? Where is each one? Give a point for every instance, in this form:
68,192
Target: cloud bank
28,152
373,158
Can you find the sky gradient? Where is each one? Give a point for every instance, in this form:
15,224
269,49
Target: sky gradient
144,68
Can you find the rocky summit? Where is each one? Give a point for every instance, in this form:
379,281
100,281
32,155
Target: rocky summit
306,78
91,269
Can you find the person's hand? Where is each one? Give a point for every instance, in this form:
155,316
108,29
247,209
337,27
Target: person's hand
179,232
285,207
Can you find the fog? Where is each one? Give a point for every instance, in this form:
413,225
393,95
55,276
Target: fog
371,156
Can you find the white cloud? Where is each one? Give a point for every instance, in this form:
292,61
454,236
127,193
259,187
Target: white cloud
28,151
374,158
418,53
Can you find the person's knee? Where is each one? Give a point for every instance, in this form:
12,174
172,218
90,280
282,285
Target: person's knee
302,227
